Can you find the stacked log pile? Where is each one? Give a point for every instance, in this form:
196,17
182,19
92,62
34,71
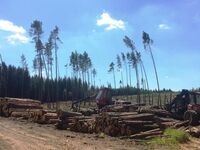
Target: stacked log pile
83,124
125,120
27,109
75,121
66,118
126,124
19,107
154,110
46,117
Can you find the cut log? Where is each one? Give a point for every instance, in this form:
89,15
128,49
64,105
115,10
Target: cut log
53,121
194,131
136,122
65,114
180,124
146,134
25,115
18,100
138,117
51,116
158,112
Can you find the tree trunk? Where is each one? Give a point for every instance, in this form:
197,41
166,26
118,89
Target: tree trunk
122,78
56,61
159,98
138,84
88,78
130,74
126,74
114,79
147,82
45,67
94,80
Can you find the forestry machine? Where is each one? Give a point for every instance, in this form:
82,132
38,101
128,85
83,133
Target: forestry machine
186,105
103,98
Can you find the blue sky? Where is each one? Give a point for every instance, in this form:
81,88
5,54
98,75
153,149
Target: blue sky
98,27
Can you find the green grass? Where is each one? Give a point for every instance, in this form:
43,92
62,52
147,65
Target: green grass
171,138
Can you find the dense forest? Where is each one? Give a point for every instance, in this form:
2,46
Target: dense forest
17,82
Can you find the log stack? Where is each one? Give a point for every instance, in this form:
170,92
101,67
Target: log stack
127,124
124,124
27,109
16,107
125,120
153,110
75,121
83,124
66,118
47,117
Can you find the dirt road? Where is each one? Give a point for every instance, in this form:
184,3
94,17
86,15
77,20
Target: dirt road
23,135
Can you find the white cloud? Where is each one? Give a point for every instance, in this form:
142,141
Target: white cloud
111,23
17,32
6,25
17,37
164,27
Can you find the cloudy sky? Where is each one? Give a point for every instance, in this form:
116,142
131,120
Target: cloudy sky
98,27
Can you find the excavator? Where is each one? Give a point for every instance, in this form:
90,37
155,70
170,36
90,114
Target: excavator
186,105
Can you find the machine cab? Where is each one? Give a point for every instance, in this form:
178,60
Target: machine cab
194,102
104,97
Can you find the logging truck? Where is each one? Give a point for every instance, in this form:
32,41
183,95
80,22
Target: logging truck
186,105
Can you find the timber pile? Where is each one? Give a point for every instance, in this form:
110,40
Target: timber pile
83,124
66,118
27,109
125,124
16,107
155,111
46,117
75,121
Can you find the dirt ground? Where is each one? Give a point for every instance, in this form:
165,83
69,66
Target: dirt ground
23,135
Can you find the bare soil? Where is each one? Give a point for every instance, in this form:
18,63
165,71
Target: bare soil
18,134
24,135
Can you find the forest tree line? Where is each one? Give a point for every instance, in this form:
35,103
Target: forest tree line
17,82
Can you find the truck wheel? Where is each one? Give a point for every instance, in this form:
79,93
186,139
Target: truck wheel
192,117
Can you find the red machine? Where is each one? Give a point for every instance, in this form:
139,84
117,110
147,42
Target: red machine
104,97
